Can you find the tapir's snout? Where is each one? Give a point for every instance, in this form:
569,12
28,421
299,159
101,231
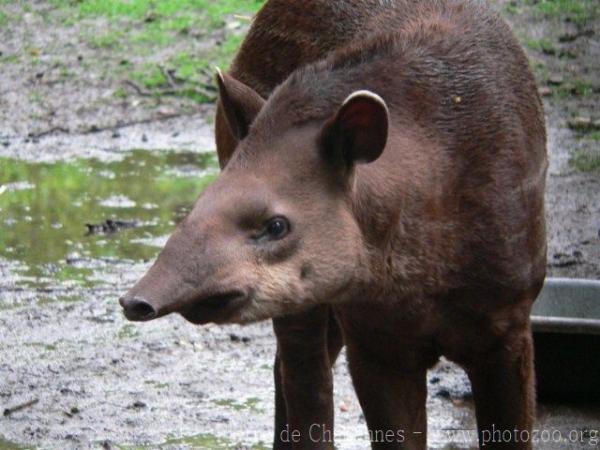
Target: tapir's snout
137,309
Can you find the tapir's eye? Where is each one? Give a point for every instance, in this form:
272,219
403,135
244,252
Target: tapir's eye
277,228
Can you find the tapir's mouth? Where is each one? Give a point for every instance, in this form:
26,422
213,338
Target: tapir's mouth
215,308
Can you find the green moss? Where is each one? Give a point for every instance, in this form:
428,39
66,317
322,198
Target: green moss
586,160
9,59
250,404
128,331
8,445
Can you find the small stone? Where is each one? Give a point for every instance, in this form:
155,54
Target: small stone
344,407
443,393
138,404
457,99
116,134
144,138
582,123
545,91
236,338
555,80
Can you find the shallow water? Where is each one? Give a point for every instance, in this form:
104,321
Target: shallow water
45,206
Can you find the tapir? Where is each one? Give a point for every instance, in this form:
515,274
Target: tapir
382,187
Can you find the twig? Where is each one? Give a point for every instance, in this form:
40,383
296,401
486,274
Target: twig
14,409
168,76
118,126
242,17
49,131
203,91
138,89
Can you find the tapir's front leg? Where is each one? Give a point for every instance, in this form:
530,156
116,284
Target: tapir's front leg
503,389
392,398
304,383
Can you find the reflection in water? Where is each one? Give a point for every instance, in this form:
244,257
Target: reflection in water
44,209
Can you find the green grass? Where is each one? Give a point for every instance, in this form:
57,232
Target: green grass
109,40
191,70
176,14
579,12
586,160
3,18
594,136
144,28
150,77
573,88
542,45
9,59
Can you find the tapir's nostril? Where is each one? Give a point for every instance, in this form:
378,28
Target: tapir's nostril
137,308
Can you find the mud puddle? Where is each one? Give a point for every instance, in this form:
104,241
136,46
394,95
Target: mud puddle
129,206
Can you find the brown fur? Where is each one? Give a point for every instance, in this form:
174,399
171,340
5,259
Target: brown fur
435,248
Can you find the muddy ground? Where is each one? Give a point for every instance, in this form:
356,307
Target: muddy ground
79,143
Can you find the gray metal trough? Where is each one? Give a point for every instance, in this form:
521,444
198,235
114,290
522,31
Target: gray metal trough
566,330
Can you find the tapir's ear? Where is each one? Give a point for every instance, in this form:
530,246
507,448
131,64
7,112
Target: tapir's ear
241,104
358,131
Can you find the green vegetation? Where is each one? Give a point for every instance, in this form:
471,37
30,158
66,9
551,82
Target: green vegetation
594,136
11,59
579,12
128,331
199,441
573,88
139,30
7,445
105,41
250,404
543,45
586,160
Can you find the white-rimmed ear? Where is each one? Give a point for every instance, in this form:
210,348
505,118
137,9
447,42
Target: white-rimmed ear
358,130
241,104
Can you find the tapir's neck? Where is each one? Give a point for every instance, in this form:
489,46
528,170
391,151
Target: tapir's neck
402,206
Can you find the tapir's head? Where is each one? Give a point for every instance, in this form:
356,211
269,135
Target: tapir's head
276,231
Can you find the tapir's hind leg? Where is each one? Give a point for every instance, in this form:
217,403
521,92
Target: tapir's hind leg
503,389
307,346
392,399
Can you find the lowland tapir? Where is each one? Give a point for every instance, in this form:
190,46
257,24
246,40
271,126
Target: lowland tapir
382,187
